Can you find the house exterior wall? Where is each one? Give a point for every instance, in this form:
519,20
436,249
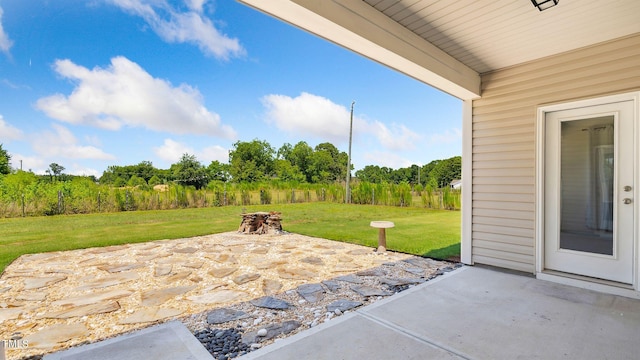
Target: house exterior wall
504,140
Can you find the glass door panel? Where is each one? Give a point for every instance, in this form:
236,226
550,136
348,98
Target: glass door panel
587,168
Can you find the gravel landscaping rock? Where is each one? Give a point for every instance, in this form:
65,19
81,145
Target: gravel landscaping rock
223,315
223,344
271,303
343,305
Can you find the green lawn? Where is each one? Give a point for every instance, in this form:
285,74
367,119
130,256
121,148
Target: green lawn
433,233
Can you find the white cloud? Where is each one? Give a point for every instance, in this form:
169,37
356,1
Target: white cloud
315,115
124,94
5,42
399,137
61,143
196,5
387,159
37,164
211,153
171,151
308,114
14,86
191,26
80,170
8,132
447,137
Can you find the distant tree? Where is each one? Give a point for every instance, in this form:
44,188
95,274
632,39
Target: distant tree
284,152
300,156
5,158
144,170
445,171
119,182
328,159
218,171
373,174
16,184
251,161
320,167
136,181
56,170
155,180
189,171
287,172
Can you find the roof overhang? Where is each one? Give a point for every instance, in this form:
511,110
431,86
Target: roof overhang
359,27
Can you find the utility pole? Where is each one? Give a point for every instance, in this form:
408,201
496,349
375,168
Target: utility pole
348,198
20,164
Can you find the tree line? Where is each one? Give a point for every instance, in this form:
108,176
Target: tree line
257,161
256,174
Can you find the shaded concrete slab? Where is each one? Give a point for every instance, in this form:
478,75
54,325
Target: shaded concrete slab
501,315
476,313
351,336
167,341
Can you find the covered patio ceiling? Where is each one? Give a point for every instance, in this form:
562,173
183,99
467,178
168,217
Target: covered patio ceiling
449,44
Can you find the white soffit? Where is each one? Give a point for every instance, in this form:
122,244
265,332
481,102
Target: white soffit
493,34
359,27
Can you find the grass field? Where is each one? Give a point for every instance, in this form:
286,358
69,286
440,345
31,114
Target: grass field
432,233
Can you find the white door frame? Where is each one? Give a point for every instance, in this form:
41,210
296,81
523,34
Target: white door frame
604,286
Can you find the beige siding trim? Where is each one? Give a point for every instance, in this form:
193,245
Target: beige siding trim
501,172
504,214
525,199
503,230
498,246
504,140
507,239
503,263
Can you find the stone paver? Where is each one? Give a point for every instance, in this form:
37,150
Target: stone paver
147,315
271,287
37,283
58,300
270,302
311,292
160,296
218,297
83,310
222,272
53,335
296,273
93,298
245,278
107,281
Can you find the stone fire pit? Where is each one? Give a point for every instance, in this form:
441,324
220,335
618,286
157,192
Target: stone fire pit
261,223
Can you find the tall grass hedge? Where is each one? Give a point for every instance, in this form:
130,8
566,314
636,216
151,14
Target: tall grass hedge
25,194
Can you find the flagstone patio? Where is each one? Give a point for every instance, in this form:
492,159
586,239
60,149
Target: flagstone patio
61,299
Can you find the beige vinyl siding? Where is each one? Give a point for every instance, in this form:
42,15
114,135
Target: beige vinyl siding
504,140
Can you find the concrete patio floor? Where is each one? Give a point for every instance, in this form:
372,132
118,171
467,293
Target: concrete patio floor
470,313
476,313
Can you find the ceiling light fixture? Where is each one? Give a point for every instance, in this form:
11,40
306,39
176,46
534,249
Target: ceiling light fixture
544,4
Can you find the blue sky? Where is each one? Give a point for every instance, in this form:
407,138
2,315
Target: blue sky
92,83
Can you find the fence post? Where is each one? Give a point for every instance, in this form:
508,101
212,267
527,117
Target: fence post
293,196
99,205
23,214
373,196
